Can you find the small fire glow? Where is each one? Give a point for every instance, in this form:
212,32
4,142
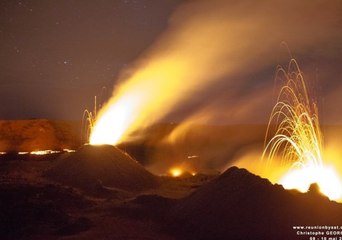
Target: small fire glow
297,138
69,150
44,152
23,153
176,172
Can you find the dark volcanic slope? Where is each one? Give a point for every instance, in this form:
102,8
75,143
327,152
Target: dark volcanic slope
240,205
103,165
31,210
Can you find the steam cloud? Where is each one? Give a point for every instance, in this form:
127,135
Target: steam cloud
207,42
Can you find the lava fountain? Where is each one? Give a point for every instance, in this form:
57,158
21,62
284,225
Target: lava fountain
294,136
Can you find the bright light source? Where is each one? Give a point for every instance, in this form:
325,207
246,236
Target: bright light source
297,138
176,172
326,178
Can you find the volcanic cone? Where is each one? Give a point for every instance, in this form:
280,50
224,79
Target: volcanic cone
103,165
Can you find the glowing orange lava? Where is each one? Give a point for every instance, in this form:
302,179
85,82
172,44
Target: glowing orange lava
44,152
326,177
297,139
176,172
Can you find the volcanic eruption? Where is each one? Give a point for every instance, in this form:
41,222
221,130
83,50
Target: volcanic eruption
297,138
206,42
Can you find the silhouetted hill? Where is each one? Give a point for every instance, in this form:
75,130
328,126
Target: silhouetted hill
27,210
240,205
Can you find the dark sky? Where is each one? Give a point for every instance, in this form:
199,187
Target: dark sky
56,55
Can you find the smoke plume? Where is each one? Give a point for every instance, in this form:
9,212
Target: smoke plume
207,42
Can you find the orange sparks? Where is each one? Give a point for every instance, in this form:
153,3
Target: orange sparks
297,139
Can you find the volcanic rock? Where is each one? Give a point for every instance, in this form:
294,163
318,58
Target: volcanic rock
31,210
38,134
103,166
240,205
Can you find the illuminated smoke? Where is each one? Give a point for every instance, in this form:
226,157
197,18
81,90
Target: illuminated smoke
207,41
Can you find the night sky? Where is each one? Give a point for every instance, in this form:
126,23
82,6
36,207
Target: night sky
57,55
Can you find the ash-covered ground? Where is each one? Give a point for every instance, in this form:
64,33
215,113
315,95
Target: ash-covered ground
95,193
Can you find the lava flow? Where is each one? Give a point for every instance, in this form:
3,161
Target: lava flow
297,138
